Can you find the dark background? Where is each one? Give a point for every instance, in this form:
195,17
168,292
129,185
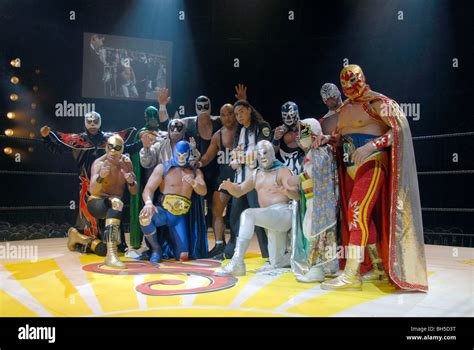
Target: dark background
280,60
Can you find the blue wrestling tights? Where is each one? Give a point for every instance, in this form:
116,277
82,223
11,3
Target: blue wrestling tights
178,232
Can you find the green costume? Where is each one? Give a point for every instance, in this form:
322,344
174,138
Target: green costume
151,114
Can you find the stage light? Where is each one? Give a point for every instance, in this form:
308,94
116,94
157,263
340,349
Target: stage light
9,132
34,105
30,149
8,150
33,121
32,135
16,63
37,71
35,88
14,97
14,80
11,115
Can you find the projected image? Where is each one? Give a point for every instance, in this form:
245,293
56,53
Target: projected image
125,68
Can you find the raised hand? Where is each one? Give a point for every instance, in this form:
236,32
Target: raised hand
45,130
279,132
241,92
163,96
148,139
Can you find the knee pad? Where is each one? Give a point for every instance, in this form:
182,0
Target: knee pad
116,204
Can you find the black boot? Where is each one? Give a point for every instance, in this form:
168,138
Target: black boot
217,250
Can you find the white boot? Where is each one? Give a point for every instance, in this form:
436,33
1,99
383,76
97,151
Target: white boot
236,266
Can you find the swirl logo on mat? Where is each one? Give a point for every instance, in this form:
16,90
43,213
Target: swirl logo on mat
198,268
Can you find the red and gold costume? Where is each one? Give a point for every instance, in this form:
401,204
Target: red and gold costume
380,200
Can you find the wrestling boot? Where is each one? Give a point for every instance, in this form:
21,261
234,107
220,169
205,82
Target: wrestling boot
331,267
152,240
75,237
349,279
217,250
111,237
236,266
315,274
377,274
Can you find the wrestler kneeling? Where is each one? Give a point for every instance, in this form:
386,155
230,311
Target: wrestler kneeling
274,214
110,173
177,180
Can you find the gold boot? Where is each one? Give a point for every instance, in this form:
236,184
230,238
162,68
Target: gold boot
350,278
377,274
75,237
112,259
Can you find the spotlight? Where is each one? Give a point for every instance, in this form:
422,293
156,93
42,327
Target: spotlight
16,63
9,132
32,135
11,115
30,149
37,71
8,150
35,88
14,80
33,121
34,105
13,97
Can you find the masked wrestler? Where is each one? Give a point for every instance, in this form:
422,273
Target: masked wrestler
379,191
154,121
331,97
220,147
109,175
274,213
314,219
285,138
158,147
177,182
86,147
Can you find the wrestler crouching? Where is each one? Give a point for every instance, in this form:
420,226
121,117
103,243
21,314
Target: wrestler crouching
274,214
109,175
177,180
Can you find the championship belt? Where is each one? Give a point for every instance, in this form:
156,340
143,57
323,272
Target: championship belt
175,204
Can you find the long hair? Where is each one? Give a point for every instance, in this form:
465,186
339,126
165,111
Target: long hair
255,118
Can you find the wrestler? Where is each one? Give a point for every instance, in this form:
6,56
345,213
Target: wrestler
109,175
177,182
274,213
285,138
220,147
314,217
86,147
154,121
379,190
331,97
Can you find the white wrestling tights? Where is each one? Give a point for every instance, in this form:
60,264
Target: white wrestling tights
277,220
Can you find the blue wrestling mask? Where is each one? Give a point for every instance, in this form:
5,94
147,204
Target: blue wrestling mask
289,113
181,153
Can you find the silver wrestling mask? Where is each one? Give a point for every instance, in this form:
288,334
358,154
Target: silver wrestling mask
265,154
